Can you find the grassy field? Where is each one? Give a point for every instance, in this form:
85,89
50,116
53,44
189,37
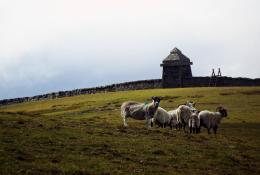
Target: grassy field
85,135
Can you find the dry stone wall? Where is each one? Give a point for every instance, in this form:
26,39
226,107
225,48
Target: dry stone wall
137,85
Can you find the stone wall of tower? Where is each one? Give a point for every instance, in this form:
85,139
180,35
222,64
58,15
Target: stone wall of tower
173,76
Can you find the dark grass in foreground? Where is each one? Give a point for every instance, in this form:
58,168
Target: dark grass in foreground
84,135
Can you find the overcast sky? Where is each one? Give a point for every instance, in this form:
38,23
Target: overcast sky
52,45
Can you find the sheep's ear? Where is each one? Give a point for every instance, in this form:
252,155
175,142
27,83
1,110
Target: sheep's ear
152,97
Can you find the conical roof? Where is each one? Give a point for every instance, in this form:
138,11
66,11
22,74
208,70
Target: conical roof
177,58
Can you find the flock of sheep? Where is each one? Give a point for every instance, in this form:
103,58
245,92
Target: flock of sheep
182,116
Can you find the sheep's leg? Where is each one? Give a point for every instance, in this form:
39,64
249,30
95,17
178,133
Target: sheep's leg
209,131
152,121
148,123
184,126
215,129
123,114
190,129
198,130
125,121
180,126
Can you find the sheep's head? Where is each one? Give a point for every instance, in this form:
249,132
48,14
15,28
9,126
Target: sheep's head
191,104
222,110
195,113
156,101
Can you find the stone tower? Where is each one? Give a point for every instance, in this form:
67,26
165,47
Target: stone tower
176,67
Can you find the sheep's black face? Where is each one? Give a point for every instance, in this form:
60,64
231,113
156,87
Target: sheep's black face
224,111
156,101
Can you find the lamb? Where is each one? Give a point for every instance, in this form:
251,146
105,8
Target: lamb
139,111
210,119
194,122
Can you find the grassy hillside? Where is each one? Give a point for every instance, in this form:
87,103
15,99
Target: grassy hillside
85,135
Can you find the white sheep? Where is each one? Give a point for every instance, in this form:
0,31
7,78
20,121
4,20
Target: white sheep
139,111
210,119
194,122
184,113
173,118
162,118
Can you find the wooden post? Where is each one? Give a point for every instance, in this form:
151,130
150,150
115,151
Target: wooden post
219,72
213,75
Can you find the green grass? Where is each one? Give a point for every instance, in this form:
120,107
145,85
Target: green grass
84,135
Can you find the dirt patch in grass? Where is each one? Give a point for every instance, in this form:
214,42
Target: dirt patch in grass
255,92
159,152
195,96
208,103
22,156
227,93
168,97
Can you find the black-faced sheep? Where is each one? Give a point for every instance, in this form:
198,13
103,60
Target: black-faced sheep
210,119
139,111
